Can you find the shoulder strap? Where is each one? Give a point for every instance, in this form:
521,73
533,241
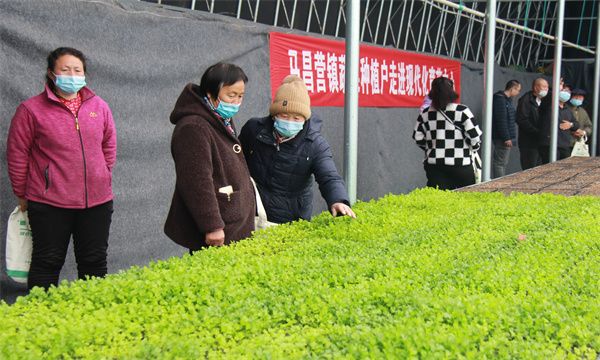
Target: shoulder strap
446,117
452,122
260,209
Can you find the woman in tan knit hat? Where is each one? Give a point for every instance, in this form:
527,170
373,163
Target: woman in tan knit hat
284,150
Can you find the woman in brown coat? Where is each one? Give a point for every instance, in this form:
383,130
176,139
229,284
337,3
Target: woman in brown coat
213,203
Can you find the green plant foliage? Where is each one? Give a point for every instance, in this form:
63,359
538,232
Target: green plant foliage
427,275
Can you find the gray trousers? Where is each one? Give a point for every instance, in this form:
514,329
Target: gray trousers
500,158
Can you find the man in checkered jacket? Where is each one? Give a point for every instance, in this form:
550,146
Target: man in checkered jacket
448,138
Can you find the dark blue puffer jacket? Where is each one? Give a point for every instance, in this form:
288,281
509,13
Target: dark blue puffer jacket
284,174
504,118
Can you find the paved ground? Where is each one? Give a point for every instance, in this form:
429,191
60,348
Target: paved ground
572,176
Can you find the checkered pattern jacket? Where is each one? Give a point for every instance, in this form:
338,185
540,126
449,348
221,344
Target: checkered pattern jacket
447,141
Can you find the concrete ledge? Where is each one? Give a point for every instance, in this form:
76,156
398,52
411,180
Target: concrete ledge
572,176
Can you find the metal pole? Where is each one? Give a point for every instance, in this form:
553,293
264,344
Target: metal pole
427,37
364,25
504,31
455,35
256,10
277,13
293,13
537,13
408,22
556,78
351,98
441,25
490,47
595,111
520,52
340,12
325,18
418,42
310,8
514,36
401,24
481,47
379,22
469,33
550,29
387,24
481,32
543,27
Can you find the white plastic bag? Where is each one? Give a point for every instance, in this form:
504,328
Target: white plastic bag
581,148
260,221
18,246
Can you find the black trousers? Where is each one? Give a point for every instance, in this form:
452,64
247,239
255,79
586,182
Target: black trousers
530,157
561,153
446,177
51,229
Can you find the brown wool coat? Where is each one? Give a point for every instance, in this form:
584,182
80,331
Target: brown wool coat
207,157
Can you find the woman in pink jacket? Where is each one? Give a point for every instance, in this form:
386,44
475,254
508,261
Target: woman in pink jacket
61,150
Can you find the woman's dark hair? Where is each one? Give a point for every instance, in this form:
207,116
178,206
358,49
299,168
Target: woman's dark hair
56,54
442,93
219,75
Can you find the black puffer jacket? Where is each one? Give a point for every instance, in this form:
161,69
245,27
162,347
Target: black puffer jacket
284,174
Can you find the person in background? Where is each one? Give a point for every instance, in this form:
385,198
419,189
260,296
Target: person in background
566,125
284,150
213,203
581,115
448,135
426,103
61,150
504,127
528,123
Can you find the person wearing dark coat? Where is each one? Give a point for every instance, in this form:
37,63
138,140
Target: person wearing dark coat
566,125
581,116
214,201
284,151
528,122
504,127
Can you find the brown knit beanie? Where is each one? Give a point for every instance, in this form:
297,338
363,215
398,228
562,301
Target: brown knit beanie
291,97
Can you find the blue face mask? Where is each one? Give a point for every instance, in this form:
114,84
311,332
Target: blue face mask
564,96
288,128
576,102
227,110
69,84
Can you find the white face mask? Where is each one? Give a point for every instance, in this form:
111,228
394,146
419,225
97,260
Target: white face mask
543,93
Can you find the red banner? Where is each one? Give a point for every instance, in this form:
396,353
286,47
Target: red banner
387,77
